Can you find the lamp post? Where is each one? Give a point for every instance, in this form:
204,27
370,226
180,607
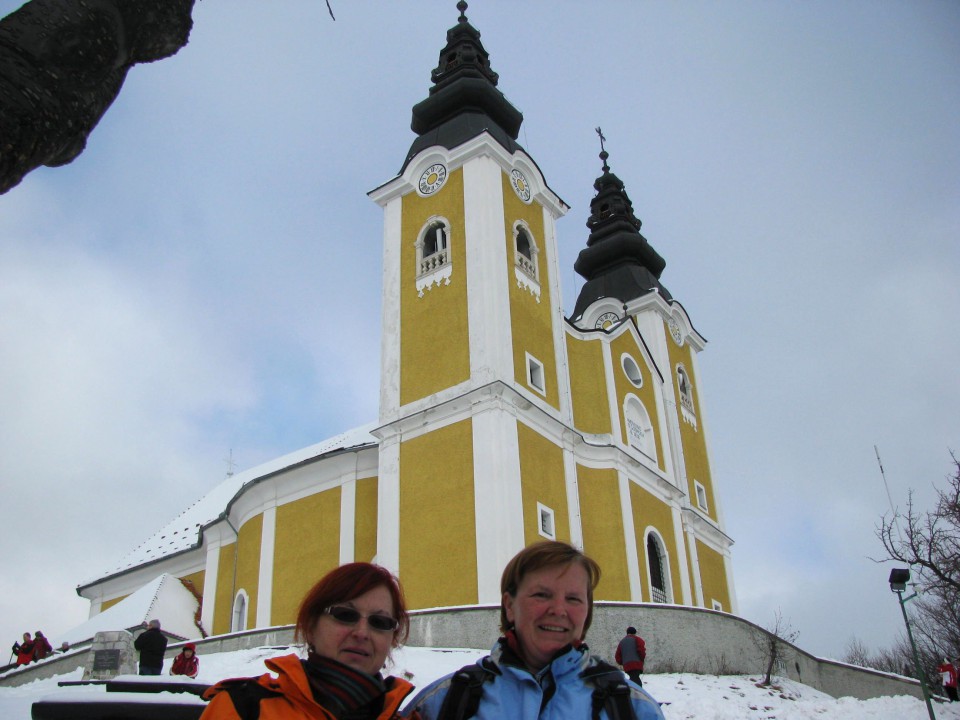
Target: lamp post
899,577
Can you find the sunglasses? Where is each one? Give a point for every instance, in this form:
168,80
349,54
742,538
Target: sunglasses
348,616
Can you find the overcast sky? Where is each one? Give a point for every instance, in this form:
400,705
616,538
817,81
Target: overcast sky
206,275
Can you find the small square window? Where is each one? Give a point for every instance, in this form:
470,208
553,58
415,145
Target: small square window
545,522
701,496
535,377
717,605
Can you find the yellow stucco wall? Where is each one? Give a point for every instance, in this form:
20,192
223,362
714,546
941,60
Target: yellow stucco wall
603,535
436,491
542,480
588,385
713,577
650,511
531,322
365,523
434,347
223,607
627,343
307,546
248,564
106,604
693,439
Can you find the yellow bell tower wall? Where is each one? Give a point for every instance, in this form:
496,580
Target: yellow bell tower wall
588,386
365,522
626,343
531,321
692,436
542,480
307,546
650,511
713,577
438,320
436,500
603,532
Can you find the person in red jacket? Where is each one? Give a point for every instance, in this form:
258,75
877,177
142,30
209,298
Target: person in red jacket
41,646
186,663
24,650
948,671
631,652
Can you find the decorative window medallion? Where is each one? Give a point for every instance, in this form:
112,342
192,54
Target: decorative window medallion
432,179
520,185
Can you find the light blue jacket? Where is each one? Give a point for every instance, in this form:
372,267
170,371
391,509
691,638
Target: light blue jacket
518,695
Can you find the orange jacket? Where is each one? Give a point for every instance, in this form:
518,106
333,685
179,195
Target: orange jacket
293,698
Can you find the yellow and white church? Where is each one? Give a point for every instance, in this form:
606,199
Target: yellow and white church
501,421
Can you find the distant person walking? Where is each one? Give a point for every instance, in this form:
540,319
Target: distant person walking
24,650
631,652
186,663
948,673
152,644
41,646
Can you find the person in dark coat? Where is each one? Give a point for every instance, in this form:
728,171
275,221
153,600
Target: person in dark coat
152,644
24,650
631,652
41,646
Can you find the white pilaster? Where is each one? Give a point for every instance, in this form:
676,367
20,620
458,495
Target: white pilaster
390,317
210,573
572,483
695,569
268,538
498,500
348,514
629,538
388,505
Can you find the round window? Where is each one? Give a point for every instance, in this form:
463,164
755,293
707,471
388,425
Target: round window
632,370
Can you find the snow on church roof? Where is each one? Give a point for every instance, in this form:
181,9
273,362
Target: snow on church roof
183,533
164,598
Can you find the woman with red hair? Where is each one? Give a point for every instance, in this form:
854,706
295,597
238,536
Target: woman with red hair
349,622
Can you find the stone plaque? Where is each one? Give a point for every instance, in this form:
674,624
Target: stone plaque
105,660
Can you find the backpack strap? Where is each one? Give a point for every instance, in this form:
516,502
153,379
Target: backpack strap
246,696
466,688
610,692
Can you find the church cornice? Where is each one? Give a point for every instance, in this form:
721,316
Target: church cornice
483,145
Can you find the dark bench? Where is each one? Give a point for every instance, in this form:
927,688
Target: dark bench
120,701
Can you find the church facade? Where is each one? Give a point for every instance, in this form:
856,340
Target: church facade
501,422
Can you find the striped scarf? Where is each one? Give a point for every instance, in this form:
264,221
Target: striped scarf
346,693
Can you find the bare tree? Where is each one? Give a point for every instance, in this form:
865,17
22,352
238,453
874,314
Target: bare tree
856,653
775,644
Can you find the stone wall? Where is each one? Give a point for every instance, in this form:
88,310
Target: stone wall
679,639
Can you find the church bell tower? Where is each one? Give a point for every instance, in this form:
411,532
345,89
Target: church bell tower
472,338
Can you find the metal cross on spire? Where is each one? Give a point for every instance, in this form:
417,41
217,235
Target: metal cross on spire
603,153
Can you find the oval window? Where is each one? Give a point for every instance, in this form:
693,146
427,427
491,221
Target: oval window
632,370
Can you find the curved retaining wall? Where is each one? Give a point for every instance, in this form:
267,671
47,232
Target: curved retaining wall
678,638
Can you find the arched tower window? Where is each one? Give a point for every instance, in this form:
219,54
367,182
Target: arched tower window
685,388
639,428
433,254
657,565
525,252
239,620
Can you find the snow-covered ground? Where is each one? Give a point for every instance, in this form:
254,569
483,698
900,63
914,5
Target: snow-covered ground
704,697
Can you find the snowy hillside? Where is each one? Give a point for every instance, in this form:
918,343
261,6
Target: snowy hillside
703,697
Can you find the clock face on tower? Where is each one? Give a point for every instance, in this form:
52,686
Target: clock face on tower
432,179
675,332
520,185
605,321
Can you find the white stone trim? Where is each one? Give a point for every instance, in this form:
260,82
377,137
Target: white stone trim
630,538
497,494
390,312
678,538
348,514
388,505
695,566
210,576
268,539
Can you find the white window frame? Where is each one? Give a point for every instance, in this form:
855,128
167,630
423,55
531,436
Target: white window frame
436,268
546,522
664,564
535,372
716,605
635,413
631,368
701,492
685,391
239,614
526,270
